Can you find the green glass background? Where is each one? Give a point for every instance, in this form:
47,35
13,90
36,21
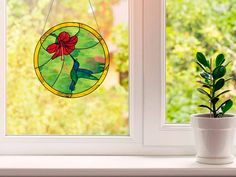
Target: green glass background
33,110
87,50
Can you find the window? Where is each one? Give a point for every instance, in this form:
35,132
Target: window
16,134
162,81
31,108
148,132
211,31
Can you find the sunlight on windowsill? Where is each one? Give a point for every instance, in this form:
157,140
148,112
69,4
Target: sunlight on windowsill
110,165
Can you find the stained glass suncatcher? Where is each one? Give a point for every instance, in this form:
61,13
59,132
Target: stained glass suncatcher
71,60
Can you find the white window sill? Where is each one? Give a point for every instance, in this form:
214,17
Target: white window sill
109,166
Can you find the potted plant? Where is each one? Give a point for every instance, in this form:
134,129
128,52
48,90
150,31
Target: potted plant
214,131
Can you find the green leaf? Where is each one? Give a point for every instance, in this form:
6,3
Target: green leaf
205,75
219,72
223,93
220,60
214,100
202,67
204,83
226,105
206,86
52,34
202,59
204,106
208,81
204,92
75,53
219,84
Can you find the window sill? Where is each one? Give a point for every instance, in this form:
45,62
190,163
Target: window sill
109,166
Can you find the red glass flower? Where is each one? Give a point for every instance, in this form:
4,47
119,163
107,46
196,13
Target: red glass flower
64,45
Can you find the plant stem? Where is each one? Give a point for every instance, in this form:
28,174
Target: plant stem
212,92
211,87
214,104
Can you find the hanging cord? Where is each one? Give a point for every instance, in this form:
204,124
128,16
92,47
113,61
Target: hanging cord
45,22
94,16
50,8
46,19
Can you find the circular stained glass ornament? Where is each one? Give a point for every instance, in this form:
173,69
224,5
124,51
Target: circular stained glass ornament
71,60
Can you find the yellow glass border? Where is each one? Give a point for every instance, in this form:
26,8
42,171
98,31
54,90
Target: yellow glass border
100,39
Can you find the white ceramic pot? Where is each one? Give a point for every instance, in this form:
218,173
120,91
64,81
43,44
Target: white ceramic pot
214,138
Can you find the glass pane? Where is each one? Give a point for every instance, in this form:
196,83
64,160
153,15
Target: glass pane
191,26
33,109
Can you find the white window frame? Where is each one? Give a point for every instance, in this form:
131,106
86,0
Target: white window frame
81,144
177,137
149,135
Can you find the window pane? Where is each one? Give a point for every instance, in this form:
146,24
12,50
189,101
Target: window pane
34,110
191,26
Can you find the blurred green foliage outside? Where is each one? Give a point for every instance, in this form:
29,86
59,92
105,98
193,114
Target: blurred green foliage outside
191,26
33,110
208,26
